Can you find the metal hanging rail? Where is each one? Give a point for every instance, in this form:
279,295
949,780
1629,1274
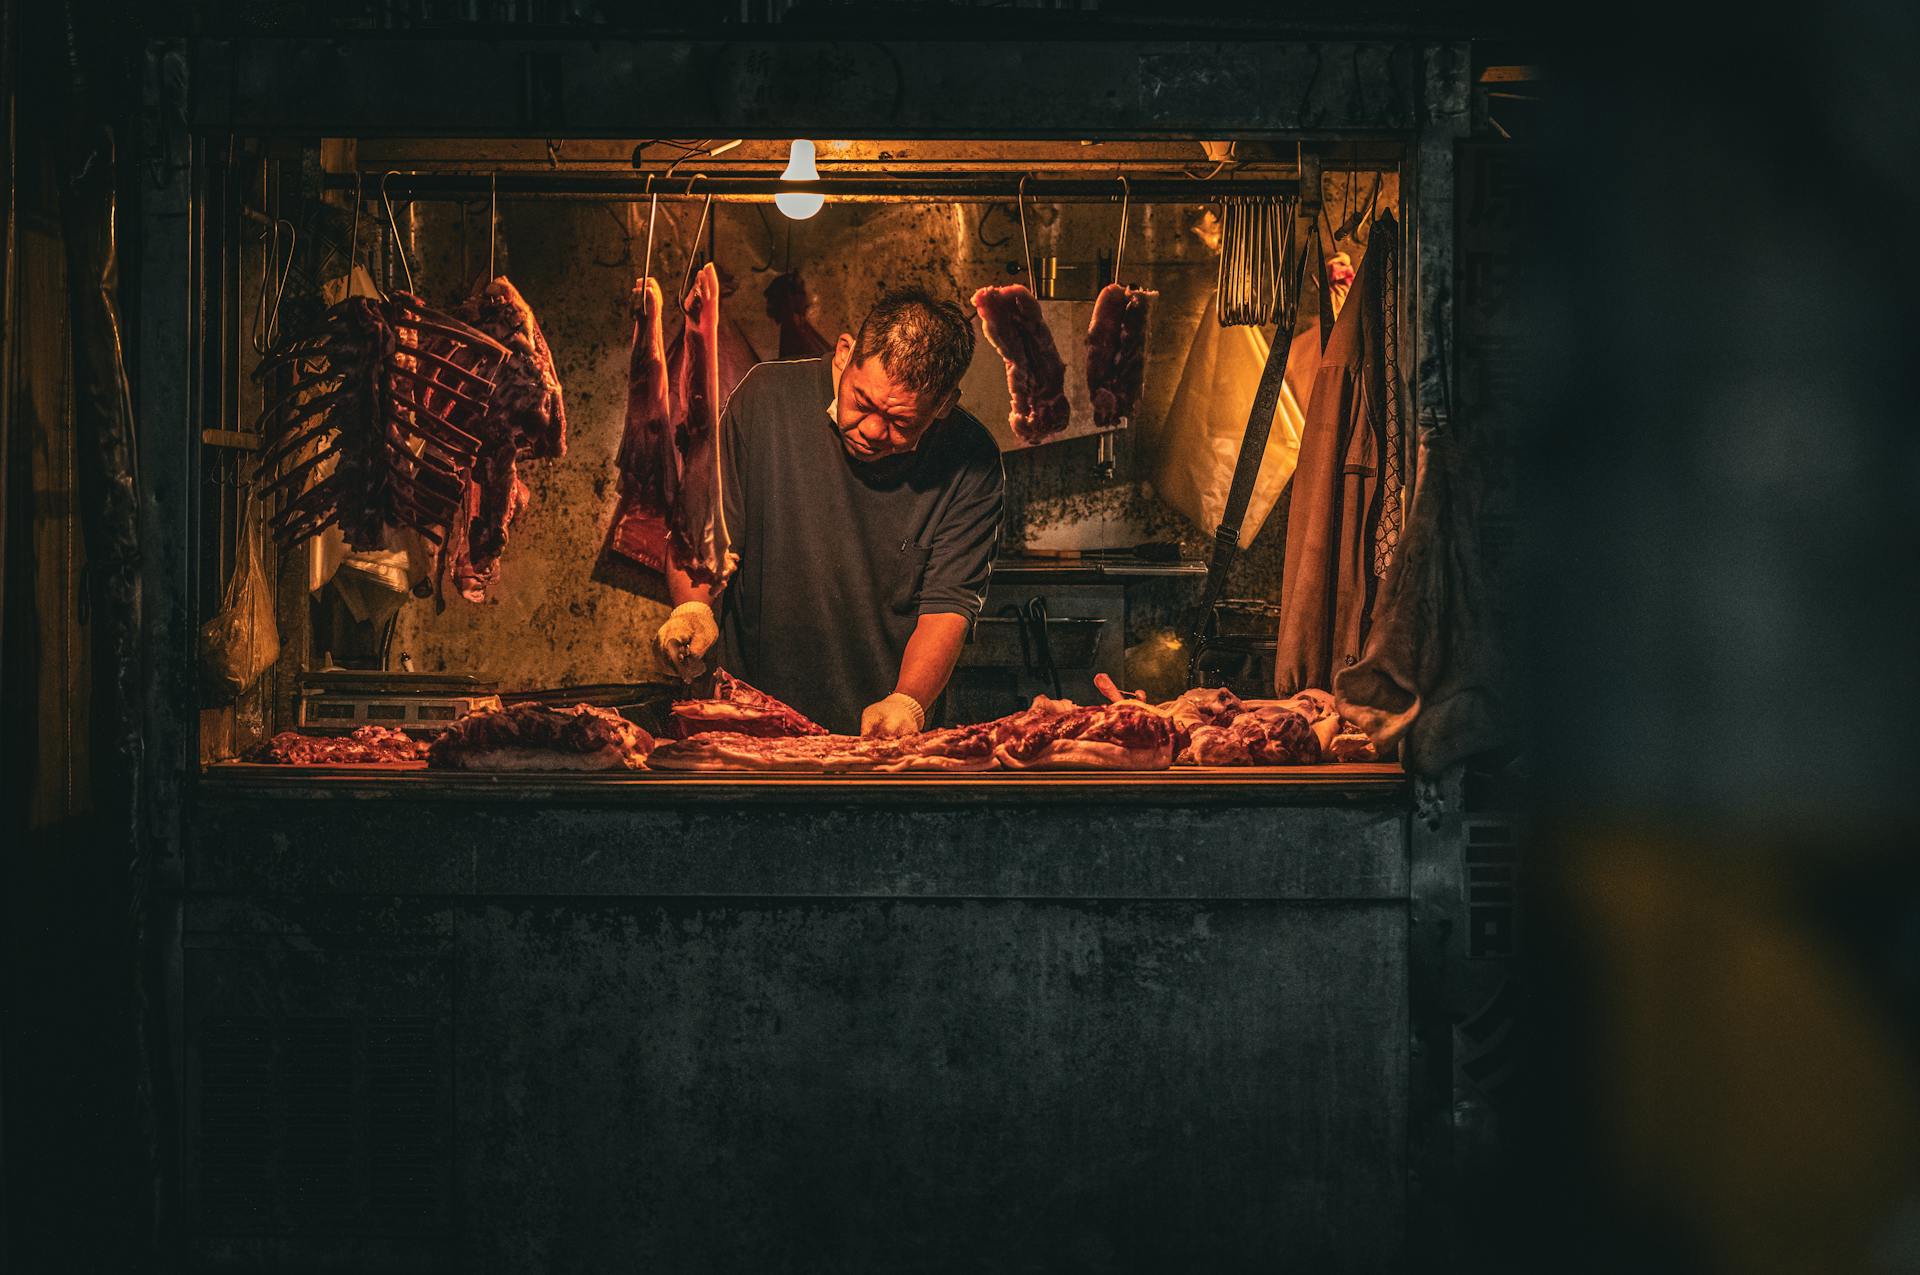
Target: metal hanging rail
974,188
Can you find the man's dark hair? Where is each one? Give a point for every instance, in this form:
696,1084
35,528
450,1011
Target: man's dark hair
925,344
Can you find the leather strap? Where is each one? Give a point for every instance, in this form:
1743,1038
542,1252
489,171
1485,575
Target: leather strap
1326,288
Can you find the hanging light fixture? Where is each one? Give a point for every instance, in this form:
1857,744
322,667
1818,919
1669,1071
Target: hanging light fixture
800,204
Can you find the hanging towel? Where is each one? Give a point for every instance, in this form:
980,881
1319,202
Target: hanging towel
1431,677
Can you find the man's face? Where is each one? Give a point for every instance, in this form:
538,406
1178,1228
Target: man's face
877,417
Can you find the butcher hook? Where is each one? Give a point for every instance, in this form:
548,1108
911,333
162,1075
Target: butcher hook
1373,202
1356,216
398,247
1126,194
1020,203
653,206
353,234
693,252
266,318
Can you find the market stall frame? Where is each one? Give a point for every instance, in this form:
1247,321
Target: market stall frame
232,869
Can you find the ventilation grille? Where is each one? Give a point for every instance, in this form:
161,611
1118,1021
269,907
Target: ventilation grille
323,1123
1492,883
1491,860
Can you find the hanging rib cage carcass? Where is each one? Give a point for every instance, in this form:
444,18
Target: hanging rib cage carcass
376,427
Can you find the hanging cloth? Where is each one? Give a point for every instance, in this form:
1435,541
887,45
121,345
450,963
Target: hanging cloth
1430,680
1349,442
1198,442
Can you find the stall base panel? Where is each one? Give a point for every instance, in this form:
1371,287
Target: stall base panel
319,1101
879,1086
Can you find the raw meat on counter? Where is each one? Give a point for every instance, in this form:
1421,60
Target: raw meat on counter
1118,736
1338,738
737,708
789,306
1273,735
956,749
696,524
1277,733
539,737
526,418
369,745
741,729
1351,744
1036,377
1050,735
648,462
1202,706
1117,353
1215,727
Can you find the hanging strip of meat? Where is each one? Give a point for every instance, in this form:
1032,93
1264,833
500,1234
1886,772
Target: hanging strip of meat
649,465
696,525
495,497
528,389
1036,377
789,306
525,418
1117,353
737,357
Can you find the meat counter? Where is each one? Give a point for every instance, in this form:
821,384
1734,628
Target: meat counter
705,1022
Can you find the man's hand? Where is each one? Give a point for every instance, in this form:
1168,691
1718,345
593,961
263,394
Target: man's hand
897,714
686,637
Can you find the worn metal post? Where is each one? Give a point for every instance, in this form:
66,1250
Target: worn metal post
162,383
1446,72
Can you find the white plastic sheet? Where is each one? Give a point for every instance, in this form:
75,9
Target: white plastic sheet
1199,442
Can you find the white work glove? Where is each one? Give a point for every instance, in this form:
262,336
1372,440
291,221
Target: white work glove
897,714
686,637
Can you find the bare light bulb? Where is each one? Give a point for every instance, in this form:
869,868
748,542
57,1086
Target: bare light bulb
800,204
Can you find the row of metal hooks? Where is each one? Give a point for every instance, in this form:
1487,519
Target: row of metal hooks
653,210
493,227
273,284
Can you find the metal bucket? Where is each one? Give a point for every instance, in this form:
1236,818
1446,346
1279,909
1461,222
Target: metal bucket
997,642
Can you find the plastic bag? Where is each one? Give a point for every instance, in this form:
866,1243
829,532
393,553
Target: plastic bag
1199,441
243,641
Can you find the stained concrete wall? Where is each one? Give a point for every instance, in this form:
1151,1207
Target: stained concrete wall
549,623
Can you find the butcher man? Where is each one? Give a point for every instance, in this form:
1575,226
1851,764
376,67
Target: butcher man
864,504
